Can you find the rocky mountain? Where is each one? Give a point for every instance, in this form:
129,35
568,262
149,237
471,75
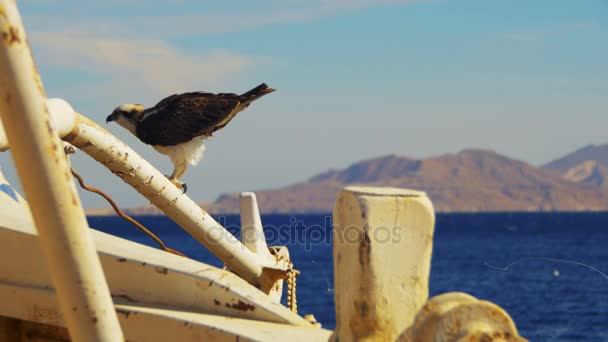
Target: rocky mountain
469,181
578,157
587,165
589,172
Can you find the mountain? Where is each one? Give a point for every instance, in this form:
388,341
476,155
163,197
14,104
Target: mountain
578,157
589,172
469,181
588,165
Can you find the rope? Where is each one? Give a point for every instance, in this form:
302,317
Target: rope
126,217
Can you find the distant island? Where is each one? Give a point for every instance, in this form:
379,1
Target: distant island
468,181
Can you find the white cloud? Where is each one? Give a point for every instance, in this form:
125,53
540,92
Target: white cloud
151,65
132,51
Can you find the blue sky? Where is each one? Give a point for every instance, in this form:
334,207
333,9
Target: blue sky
356,78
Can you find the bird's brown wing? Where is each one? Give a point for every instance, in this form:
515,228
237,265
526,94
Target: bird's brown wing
179,118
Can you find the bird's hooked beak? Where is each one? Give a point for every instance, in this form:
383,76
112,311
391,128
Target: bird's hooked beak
111,117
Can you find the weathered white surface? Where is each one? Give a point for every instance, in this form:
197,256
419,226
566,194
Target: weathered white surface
142,275
252,231
457,316
382,252
252,236
150,324
37,151
62,118
62,115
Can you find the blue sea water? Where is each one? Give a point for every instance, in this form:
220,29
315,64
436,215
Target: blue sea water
549,300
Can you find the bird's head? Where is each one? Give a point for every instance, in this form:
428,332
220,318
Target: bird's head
127,115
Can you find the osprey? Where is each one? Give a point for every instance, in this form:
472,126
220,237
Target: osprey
178,125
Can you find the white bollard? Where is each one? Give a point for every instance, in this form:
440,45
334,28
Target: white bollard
383,240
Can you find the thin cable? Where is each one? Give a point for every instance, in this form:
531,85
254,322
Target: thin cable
505,269
120,213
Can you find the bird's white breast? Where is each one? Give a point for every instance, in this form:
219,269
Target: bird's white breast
190,152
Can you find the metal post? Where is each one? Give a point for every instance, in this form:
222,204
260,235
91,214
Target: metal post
252,236
252,231
383,239
68,247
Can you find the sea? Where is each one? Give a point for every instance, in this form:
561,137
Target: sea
549,271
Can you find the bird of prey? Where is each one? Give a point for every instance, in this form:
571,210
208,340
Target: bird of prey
178,125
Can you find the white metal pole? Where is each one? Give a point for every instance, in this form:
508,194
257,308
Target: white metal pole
70,253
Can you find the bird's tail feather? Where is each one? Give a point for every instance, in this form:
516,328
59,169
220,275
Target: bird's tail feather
255,93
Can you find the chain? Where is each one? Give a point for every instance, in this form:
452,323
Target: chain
292,301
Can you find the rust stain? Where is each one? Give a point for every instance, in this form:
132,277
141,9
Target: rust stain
364,321
161,270
241,306
124,313
94,319
13,36
122,260
365,249
37,75
217,302
125,297
485,338
49,128
363,308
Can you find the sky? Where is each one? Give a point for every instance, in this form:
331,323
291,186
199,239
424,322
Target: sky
356,79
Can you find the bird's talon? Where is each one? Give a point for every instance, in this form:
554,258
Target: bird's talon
179,184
